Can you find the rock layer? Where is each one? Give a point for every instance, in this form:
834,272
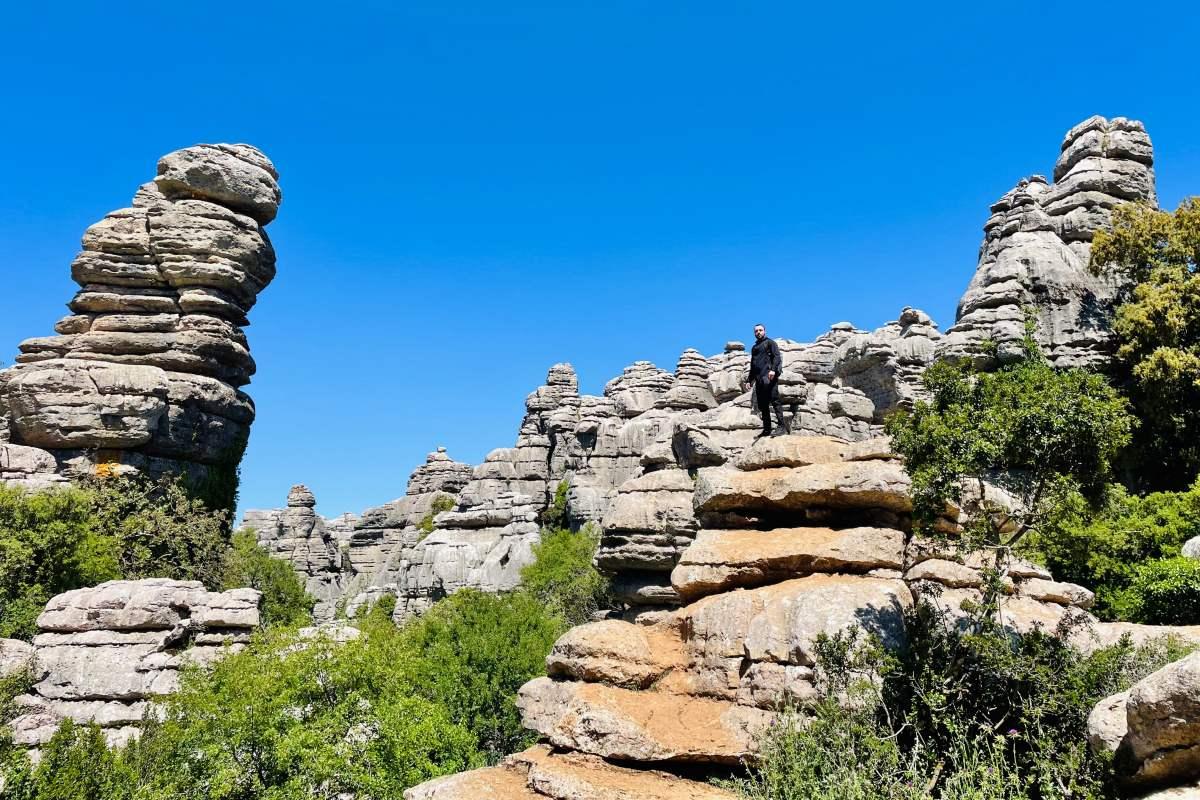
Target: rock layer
102,653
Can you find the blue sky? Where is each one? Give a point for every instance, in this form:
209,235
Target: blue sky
473,192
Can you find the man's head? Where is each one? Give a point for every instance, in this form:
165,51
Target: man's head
760,332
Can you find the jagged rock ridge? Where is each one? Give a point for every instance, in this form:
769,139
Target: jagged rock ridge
624,456
144,374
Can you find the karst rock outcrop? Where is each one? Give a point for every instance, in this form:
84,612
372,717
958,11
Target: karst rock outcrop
802,536
103,654
146,371
1037,244
622,457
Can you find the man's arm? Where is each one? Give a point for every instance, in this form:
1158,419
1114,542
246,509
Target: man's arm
776,359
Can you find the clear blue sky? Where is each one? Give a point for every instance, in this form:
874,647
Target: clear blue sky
473,192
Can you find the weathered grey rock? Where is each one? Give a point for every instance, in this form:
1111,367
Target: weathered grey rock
1108,723
237,176
15,656
1036,248
1162,744
143,376
103,651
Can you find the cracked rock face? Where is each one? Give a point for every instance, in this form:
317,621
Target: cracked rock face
102,653
1037,244
144,374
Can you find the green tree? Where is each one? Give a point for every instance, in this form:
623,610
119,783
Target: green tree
562,575
48,544
1158,336
1041,433
285,602
476,650
1104,550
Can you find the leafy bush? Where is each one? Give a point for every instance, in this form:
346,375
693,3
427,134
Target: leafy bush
49,543
1104,551
475,651
1158,336
966,710
562,575
1166,592
1045,433
76,764
555,516
285,602
160,530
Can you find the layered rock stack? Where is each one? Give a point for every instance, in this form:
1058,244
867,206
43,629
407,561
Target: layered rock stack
103,653
297,534
144,374
804,536
1037,244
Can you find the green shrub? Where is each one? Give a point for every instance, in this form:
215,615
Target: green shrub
1048,433
1103,551
562,575
1166,592
161,531
441,504
476,650
967,710
285,602
288,720
76,764
555,515
49,543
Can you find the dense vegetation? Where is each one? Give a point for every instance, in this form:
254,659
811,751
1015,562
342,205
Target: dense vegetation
294,717
1158,337
113,528
966,711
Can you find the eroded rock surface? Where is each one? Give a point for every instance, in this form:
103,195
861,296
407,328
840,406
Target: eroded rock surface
102,653
145,373
1036,248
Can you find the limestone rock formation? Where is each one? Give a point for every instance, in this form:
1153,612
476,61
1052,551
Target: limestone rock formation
1153,728
1037,244
102,653
145,373
297,534
626,458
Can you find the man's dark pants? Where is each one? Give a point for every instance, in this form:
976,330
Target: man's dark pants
767,398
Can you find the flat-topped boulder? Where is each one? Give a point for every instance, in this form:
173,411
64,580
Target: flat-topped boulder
840,485
627,725
781,622
617,653
539,773
720,560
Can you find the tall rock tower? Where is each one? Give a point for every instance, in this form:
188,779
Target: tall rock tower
1036,247
144,374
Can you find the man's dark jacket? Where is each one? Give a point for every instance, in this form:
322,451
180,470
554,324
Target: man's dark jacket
764,358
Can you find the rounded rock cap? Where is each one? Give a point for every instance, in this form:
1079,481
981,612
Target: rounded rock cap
237,176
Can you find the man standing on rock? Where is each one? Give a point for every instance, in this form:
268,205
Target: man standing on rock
765,366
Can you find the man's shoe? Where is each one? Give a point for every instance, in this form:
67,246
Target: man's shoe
778,433
762,435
